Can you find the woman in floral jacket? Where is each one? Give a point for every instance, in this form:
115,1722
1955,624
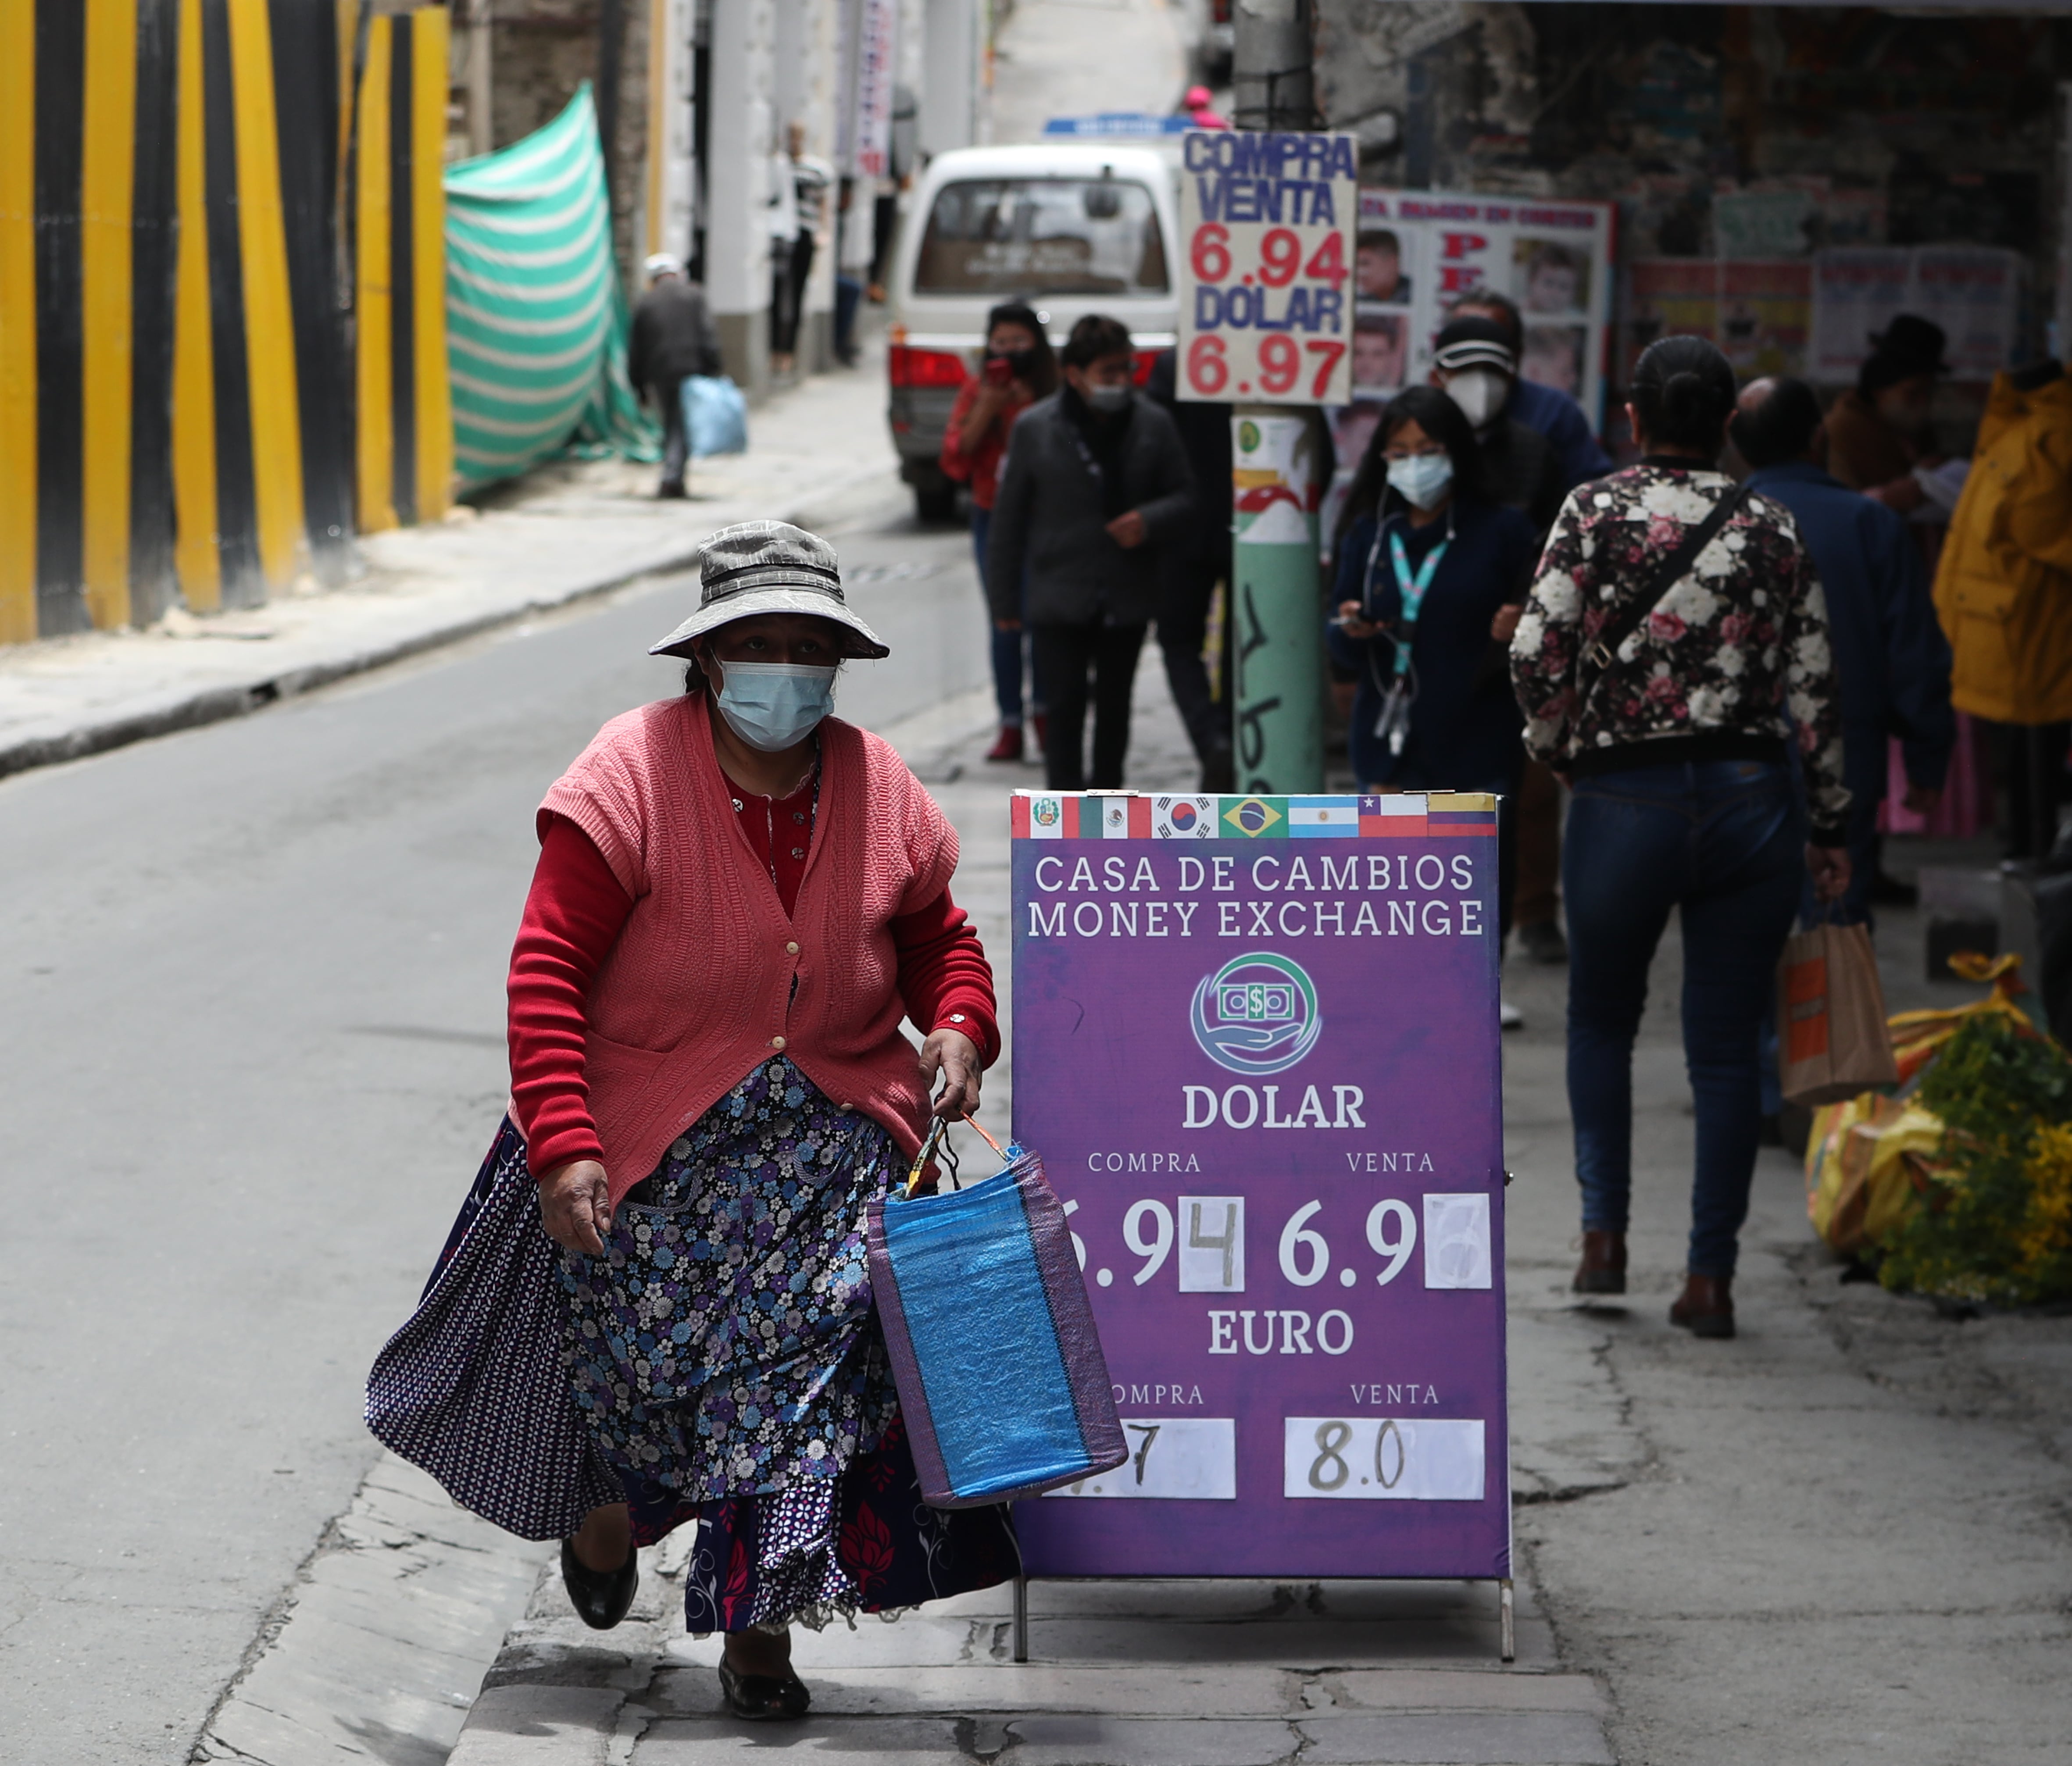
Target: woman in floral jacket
1676,749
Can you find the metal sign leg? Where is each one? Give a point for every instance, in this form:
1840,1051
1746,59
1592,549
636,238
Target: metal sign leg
1021,1618
1506,1618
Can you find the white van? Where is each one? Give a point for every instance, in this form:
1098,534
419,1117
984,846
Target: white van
1071,229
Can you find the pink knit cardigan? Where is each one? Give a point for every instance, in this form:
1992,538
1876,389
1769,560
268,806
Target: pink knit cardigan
698,986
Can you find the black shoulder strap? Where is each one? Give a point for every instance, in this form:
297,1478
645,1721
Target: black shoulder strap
1602,652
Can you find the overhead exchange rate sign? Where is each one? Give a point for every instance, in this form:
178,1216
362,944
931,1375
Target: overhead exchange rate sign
1266,303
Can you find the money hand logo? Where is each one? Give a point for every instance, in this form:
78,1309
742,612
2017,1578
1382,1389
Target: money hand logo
1257,1014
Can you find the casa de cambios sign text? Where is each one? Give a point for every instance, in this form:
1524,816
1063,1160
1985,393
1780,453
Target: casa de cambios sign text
1255,1042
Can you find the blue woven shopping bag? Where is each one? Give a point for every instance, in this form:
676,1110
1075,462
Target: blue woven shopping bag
1000,1375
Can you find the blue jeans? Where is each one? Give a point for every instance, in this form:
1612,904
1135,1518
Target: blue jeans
1007,645
1723,841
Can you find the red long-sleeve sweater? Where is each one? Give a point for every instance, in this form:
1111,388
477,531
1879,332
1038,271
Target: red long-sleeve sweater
574,912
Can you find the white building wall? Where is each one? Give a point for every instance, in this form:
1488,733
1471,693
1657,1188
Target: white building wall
736,185
952,32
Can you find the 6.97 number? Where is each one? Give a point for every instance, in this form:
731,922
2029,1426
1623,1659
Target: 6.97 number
1280,364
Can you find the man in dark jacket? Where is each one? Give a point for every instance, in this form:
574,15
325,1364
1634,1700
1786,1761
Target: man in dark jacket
1189,569
1889,650
1474,363
1546,410
1095,484
672,338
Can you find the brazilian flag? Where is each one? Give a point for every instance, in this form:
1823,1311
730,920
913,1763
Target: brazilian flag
1252,818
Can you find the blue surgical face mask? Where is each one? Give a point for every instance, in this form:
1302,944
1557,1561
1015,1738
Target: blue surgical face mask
1423,477
773,706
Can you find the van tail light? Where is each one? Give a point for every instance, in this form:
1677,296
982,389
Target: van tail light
912,368
1220,12
1140,365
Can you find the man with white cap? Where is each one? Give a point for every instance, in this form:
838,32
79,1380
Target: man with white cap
672,339
1473,361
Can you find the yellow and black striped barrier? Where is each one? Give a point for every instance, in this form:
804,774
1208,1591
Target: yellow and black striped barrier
222,325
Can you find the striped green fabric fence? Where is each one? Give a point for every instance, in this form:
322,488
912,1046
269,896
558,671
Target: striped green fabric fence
536,319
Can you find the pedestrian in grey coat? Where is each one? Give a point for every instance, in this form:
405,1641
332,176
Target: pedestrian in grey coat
1094,484
672,338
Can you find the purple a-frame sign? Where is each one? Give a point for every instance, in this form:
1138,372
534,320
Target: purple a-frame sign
1256,1040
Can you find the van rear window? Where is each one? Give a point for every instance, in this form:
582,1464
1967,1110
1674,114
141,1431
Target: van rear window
1043,235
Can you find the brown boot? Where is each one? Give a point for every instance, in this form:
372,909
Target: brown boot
1602,1269
1707,1307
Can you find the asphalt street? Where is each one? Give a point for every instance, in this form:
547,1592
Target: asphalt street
254,1052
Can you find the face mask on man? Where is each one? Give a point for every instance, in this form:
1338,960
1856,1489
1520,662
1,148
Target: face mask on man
1422,478
1480,393
773,706
1109,400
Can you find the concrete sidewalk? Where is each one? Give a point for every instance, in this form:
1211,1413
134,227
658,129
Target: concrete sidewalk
565,532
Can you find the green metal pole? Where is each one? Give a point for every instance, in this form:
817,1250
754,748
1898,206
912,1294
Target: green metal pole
1276,630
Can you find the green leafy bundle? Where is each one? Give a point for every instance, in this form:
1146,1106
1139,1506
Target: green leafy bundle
1998,1223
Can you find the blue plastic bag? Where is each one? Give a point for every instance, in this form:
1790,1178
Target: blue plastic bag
1000,1375
715,416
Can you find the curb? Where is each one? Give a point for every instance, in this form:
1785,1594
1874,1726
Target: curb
216,703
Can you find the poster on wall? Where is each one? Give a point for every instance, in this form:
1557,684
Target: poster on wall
1973,292
1418,252
1759,314
869,140
1256,1042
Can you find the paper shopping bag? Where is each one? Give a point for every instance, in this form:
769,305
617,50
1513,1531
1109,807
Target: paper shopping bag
1832,1042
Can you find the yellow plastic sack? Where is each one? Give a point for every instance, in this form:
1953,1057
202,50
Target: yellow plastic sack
1864,1166
1916,1036
1867,1157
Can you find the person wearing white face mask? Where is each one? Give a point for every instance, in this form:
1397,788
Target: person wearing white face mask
739,896
1095,488
1474,363
1431,572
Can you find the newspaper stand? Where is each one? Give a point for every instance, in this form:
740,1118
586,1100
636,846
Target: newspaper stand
1257,1038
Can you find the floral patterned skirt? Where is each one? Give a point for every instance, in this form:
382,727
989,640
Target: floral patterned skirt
724,1362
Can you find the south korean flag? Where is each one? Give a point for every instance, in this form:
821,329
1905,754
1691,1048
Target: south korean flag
1183,818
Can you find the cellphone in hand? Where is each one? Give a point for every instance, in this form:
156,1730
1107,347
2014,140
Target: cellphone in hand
998,371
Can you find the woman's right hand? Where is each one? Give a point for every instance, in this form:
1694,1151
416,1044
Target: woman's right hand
1830,869
1354,622
575,1206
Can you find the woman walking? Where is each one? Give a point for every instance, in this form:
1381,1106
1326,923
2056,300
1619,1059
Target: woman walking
1675,637
1019,369
1431,575
738,898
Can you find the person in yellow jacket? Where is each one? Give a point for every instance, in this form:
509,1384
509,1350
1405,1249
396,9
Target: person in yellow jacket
2003,588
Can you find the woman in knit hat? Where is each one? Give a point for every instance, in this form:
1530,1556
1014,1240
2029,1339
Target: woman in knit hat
739,896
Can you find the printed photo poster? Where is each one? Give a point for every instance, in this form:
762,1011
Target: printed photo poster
1758,313
1973,292
1417,253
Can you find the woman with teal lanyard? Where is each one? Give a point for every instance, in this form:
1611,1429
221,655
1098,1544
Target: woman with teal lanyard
1431,575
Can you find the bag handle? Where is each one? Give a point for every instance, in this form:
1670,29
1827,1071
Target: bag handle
1597,657
935,1143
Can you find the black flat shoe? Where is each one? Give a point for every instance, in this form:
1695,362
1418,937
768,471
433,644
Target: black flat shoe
601,1597
757,1699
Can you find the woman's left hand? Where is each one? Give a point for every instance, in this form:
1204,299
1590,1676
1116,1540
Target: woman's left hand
955,1056
1506,622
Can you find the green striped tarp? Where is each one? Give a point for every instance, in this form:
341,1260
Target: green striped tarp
536,319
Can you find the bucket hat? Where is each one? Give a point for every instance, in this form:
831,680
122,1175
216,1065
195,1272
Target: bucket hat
1912,344
1473,342
769,567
